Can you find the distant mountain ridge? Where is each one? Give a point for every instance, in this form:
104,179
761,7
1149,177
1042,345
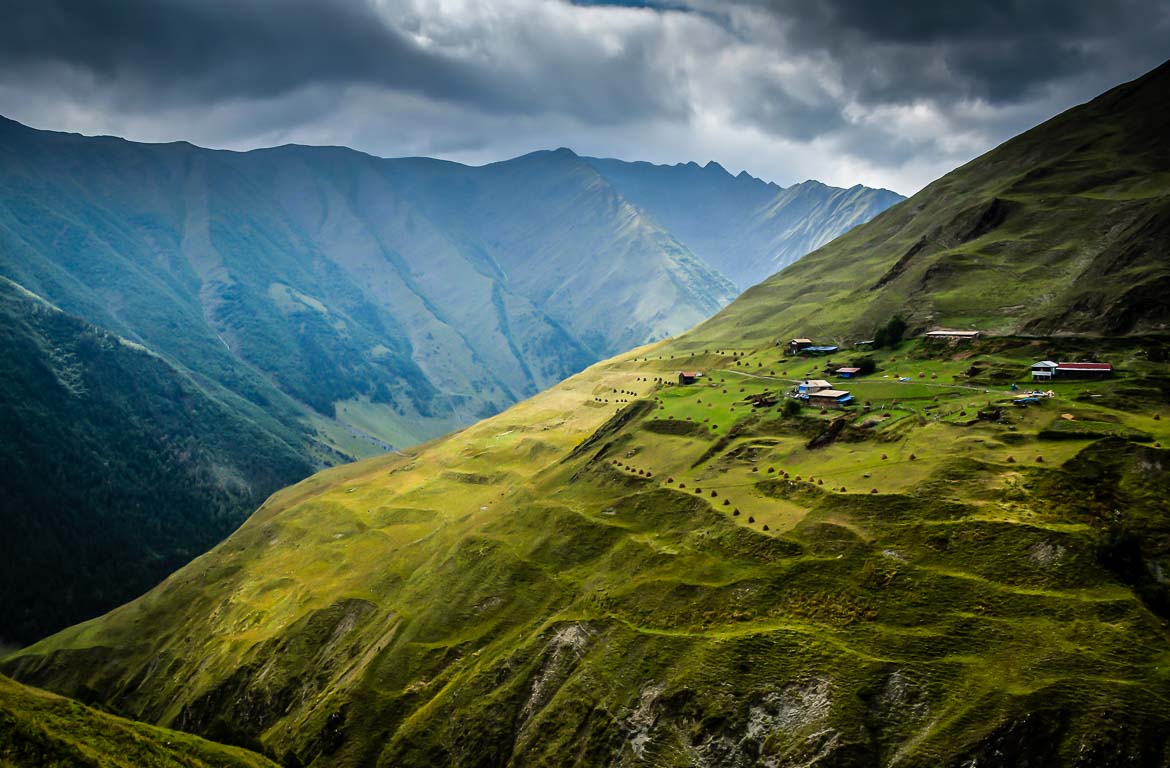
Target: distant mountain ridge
746,228
421,293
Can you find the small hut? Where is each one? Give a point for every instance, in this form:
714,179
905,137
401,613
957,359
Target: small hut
798,345
1044,370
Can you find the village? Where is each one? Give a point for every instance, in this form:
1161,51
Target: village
823,394
851,419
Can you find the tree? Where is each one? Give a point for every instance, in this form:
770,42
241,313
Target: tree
891,334
864,365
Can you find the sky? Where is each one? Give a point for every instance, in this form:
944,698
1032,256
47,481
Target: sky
887,94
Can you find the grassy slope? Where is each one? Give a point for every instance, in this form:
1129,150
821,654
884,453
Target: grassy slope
1059,230
569,582
41,730
489,599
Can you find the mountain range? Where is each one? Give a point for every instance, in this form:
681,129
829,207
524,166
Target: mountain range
627,569
316,304
393,300
744,227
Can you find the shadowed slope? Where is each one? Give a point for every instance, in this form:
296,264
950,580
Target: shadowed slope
117,467
38,729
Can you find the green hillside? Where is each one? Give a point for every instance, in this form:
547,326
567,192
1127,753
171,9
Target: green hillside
1059,231
40,730
623,571
746,228
118,468
337,304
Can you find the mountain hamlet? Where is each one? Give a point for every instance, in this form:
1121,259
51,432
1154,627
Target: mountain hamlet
679,556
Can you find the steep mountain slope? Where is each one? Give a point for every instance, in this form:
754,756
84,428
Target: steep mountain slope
314,305
38,729
746,228
584,264
618,571
1061,230
118,468
418,294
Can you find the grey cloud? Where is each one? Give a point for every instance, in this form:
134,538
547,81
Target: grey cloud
886,94
233,48
162,52
999,50
768,104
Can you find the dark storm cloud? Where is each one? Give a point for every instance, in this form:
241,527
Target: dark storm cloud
886,93
164,51
234,48
999,50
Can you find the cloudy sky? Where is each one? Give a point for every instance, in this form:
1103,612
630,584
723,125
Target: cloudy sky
888,94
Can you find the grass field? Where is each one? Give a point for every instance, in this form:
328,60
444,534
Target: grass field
621,537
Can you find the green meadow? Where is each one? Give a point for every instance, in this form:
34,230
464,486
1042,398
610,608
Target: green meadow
622,541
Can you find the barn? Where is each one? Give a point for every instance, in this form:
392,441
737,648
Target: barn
944,334
809,386
1084,370
1046,370
830,398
